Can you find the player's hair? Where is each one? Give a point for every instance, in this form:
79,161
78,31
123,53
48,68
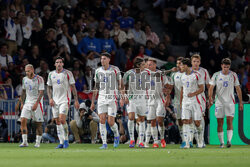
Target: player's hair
146,59
106,54
59,57
186,61
138,61
226,61
29,65
180,58
197,56
153,60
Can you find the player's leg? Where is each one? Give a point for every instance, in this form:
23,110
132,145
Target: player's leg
229,112
25,115
131,125
141,120
102,111
160,114
38,117
63,112
186,115
60,131
148,129
177,111
152,119
112,109
220,114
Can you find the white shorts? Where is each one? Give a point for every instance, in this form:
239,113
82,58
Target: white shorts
193,111
177,110
224,110
156,110
110,109
138,108
62,108
37,115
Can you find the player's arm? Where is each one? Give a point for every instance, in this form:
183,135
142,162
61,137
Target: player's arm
34,107
23,97
121,88
49,92
199,91
74,92
239,93
181,97
95,92
210,95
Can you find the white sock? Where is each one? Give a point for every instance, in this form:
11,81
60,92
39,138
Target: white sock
141,131
114,128
131,126
191,132
181,132
186,132
60,133
66,131
199,130
161,131
221,137
148,132
229,135
24,137
203,128
38,139
154,134
103,132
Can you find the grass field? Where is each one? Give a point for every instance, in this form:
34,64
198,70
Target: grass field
90,155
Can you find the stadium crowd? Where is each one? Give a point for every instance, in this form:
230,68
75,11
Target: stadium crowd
37,31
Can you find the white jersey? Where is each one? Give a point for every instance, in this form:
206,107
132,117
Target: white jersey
224,87
204,76
136,82
157,82
190,85
32,87
176,81
108,83
60,83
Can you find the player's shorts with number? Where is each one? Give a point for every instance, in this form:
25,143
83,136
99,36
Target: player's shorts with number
156,110
36,115
62,108
227,110
191,110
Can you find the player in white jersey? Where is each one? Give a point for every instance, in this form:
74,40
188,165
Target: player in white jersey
225,81
156,102
61,82
135,85
176,81
192,87
196,61
32,104
108,80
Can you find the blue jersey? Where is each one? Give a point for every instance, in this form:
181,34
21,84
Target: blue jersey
108,45
126,22
108,23
89,44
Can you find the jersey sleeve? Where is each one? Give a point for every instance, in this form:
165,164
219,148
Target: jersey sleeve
23,87
96,77
41,83
118,74
200,81
236,80
70,78
49,82
213,80
207,77
126,78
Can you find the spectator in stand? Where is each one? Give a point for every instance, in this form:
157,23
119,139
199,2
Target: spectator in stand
97,9
117,32
24,31
236,60
161,52
80,81
151,35
42,67
149,48
17,5
11,93
126,22
206,7
3,127
3,94
194,48
37,33
107,19
139,35
5,59
116,9
89,43
34,56
20,55
92,62
108,44
247,55
11,31
100,29
47,19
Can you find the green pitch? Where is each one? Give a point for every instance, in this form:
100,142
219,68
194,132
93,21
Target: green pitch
90,155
